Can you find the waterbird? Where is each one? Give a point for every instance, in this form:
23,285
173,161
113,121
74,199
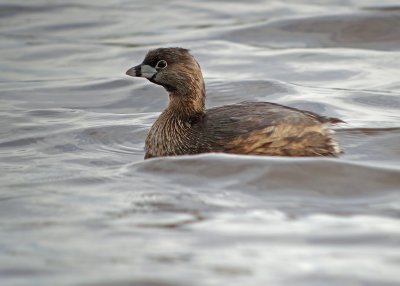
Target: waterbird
254,128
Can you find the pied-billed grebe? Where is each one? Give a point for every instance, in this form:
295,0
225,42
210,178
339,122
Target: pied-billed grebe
257,128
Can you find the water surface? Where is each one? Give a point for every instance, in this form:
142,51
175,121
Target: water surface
78,204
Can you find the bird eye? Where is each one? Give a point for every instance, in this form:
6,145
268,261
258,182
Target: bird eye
161,64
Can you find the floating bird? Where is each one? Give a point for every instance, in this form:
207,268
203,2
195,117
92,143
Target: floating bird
253,128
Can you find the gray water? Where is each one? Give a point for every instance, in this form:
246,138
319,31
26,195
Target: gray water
79,206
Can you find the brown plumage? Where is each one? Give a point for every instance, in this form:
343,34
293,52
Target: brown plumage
258,128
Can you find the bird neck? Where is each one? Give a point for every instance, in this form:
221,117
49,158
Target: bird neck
188,101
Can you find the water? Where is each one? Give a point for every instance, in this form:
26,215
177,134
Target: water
78,204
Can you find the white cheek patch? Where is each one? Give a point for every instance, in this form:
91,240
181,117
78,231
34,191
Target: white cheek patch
147,71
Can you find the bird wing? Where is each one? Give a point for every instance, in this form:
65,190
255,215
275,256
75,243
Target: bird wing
262,128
